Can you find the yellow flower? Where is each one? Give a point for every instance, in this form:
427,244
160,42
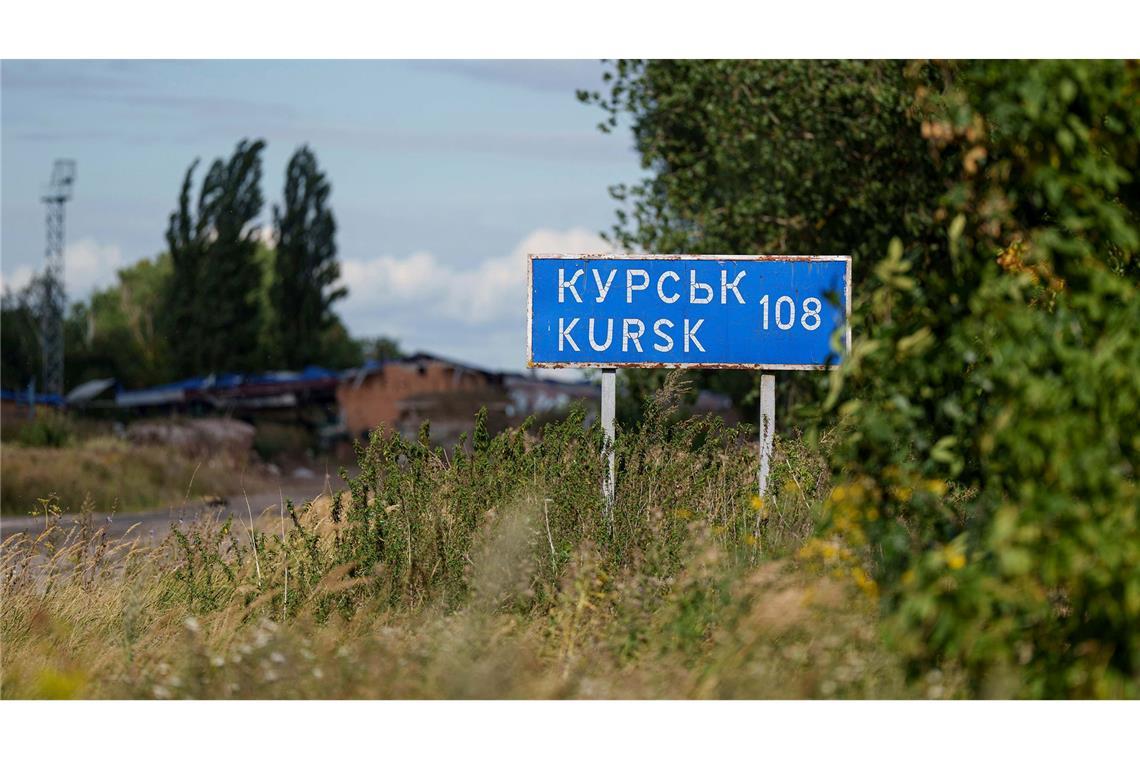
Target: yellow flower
682,514
902,493
934,486
955,558
757,504
750,539
867,585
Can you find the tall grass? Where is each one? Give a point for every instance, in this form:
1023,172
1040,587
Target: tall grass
114,474
491,570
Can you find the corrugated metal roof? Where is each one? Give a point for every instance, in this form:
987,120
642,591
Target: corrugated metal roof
85,392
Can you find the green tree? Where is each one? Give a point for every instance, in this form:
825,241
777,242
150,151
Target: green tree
380,349
991,405
116,333
769,157
987,450
305,270
20,357
214,312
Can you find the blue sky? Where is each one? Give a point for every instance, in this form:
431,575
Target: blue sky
444,174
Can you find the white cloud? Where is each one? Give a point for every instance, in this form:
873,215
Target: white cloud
88,264
16,281
484,304
487,293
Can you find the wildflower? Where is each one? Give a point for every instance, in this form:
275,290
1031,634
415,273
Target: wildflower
682,514
935,486
866,585
191,624
757,504
750,540
955,559
902,493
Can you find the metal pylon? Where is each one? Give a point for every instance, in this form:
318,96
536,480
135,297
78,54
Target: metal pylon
54,299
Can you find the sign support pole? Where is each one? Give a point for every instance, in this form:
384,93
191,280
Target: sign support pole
767,427
609,401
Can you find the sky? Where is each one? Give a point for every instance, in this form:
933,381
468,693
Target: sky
444,175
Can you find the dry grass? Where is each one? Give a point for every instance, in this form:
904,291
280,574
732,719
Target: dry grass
490,572
113,620
113,474
99,621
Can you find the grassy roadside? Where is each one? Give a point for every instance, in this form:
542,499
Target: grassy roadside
113,474
493,572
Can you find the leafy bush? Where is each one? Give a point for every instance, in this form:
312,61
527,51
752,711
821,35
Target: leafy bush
992,396
48,428
987,448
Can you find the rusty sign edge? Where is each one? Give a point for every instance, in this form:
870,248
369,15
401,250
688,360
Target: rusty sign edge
531,364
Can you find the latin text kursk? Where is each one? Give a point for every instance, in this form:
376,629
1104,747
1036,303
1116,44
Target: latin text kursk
669,289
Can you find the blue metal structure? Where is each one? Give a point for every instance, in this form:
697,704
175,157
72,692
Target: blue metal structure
757,312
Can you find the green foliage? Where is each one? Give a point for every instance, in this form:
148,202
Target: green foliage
769,157
212,313
989,408
337,349
117,332
492,570
20,357
416,512
992,402
48,428
305,267
381,349
217,300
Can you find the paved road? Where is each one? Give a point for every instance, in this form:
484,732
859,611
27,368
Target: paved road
156,523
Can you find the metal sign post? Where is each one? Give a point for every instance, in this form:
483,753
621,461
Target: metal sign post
609,402
767,427
729,312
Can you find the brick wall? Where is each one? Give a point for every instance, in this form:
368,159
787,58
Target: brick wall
367,402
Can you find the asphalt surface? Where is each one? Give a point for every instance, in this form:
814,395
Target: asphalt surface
155,524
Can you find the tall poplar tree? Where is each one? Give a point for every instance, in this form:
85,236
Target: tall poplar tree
213,311
305,266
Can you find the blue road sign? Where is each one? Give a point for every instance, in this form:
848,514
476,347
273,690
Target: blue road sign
759,312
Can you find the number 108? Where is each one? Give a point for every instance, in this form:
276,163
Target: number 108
786,313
